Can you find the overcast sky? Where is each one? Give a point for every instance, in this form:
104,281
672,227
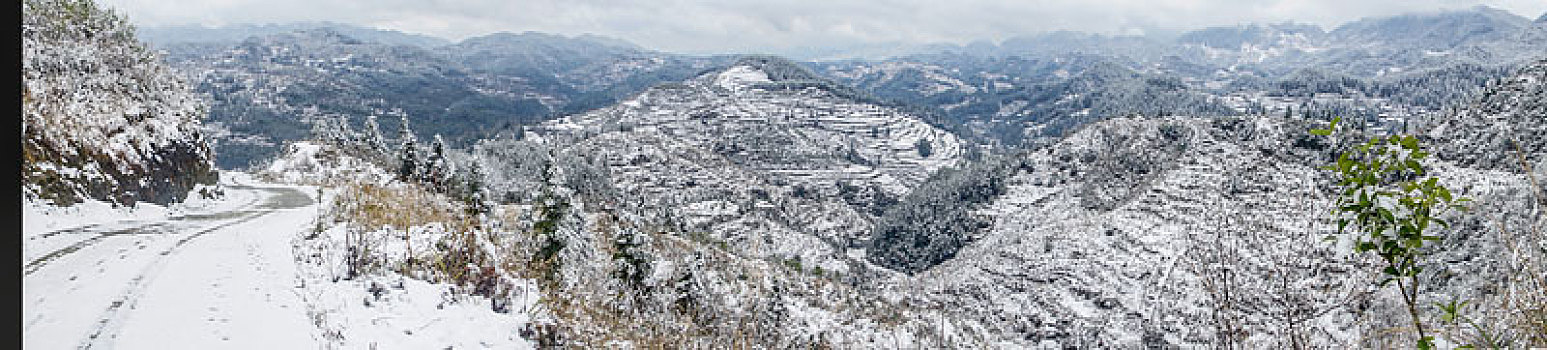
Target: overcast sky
700,26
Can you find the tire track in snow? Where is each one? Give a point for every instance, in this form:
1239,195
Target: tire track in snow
150,228
108,324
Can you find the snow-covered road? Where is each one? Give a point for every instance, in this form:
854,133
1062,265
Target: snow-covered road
216,276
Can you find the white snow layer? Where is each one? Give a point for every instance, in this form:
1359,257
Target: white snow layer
225,273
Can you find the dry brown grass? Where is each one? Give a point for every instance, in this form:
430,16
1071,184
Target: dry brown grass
372,207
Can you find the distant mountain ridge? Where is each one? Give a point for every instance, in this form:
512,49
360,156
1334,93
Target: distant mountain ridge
1438,30
163,36
269,89
1025,88
1038,87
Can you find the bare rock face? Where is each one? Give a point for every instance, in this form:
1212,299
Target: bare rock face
102,117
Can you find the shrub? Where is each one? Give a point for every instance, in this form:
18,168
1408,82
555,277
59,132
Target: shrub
1385,197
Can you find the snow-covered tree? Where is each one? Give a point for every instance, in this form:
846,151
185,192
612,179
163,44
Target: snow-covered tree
472,187
438,170
373,139
345,134
408,153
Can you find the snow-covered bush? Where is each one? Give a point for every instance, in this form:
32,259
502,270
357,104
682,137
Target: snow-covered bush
102,118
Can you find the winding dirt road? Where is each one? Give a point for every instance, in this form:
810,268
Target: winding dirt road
213,280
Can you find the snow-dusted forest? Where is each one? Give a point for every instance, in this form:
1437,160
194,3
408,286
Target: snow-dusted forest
330,186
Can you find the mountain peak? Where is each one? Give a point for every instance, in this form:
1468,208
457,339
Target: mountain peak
1435,30
776,68
777,73
533,38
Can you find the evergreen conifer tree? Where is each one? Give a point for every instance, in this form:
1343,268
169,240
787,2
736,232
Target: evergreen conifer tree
408,154
374,141
438,173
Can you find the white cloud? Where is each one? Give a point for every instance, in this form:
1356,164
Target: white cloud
702,26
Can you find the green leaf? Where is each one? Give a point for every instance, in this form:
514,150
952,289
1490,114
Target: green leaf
1321,132
1410,142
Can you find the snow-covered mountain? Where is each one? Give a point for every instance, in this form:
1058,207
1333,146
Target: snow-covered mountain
269,89
755,203
1405,67
1025,90
176,35
102,117
1193,231
1435,31
729,208
762,149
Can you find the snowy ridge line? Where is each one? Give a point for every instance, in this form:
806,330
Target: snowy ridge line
107,326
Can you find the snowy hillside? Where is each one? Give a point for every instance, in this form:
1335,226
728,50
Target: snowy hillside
564,263
1181,231
754,204
1505,120
736,151
102,118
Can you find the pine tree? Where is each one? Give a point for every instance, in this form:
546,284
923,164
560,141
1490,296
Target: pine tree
343,134
408,154
472,188
439,172
320,132
374,141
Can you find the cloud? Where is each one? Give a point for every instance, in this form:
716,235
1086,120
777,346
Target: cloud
703,26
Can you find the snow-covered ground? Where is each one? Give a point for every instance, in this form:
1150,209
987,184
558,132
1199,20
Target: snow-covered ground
224,273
